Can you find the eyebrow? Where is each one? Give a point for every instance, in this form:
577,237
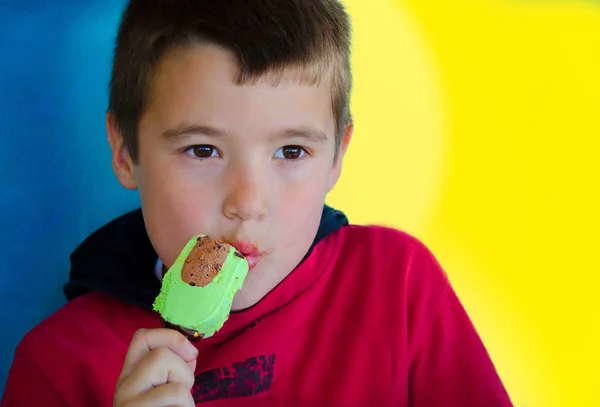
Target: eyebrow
186,130
312,135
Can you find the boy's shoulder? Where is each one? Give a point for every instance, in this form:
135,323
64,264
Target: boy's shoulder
86,341
392,255
375,239
374,231
93,308
83,322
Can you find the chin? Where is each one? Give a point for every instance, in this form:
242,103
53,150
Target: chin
252,291
242,301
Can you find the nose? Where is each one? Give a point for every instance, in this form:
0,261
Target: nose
246,198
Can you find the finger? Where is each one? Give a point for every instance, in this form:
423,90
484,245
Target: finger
171,394
160,366
145,340
192,366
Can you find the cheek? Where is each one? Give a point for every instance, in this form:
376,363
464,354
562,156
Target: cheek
302,203
175,208
302,194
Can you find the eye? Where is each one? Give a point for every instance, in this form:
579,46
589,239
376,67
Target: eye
290,153
202,151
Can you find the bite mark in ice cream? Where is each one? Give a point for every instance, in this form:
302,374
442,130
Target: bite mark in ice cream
204,262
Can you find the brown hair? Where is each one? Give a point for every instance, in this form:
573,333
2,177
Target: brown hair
266,36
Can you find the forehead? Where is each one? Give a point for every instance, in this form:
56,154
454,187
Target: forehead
199,84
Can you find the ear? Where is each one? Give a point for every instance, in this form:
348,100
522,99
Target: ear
337,166
122,163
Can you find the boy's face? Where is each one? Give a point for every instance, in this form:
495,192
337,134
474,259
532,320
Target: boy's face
250,164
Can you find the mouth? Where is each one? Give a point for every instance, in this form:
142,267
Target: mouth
249,251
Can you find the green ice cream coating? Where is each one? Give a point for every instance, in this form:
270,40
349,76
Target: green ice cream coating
203,309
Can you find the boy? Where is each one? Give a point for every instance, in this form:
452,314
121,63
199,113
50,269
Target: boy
232,119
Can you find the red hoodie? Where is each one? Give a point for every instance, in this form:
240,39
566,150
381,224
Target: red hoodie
367,319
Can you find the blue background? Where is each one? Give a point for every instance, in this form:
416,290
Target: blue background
56,182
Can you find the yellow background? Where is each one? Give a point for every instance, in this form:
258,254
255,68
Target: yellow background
477,126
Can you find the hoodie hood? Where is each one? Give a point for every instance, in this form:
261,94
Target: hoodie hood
118,260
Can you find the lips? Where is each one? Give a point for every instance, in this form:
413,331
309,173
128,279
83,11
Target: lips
249,251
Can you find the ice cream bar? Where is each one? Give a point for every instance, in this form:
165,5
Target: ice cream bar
197,291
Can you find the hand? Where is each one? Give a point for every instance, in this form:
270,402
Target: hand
158,370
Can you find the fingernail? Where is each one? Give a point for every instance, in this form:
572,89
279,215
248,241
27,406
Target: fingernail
191,349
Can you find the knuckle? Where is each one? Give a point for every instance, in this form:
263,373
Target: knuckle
161,354
189,380
140,335
182,390
178,339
